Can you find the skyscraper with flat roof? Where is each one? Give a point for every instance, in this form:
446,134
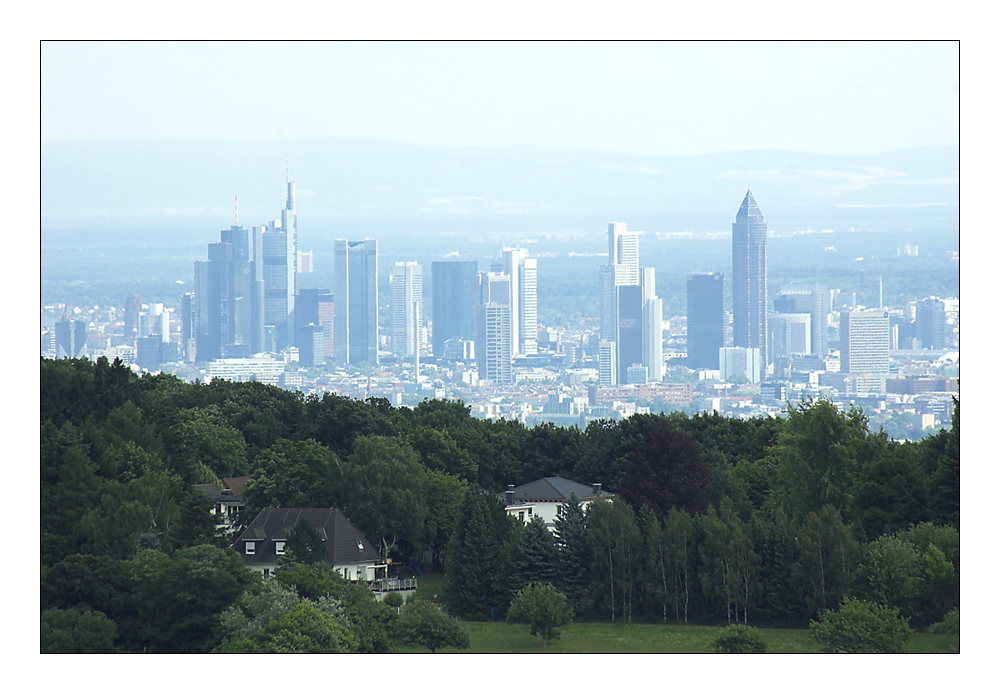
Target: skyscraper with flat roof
314,312
494,344
454,295
930,323
229,299
706,319
811,299
864,342
355,294
750,279
407,282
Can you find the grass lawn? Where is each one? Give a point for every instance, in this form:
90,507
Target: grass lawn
500,637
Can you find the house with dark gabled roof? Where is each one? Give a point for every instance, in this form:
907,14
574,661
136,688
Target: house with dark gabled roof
227,499
544,496
263,543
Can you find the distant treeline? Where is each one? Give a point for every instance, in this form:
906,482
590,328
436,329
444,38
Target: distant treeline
768,520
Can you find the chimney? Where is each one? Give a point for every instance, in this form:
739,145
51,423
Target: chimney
597,490
509,495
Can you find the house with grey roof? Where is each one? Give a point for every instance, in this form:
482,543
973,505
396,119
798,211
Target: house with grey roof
544,496
263,543
227,500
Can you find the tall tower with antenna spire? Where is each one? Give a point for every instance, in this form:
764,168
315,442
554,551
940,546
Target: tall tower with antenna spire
280,256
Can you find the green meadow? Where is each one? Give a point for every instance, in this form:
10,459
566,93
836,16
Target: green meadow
621,637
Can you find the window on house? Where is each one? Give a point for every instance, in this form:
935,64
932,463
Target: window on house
279,547
251,547
529,511
520,516
360,545
267,572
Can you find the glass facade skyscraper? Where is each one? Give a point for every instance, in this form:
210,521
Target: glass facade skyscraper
454,297
355,294
750,279
706,319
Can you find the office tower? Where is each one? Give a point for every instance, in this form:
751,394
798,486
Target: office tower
930,323
737,363
133,307
189,326
528,306
523,273
652,327
607,363
494,319
750,279
811,299
706,319
71,338
630,335
791,334
622,269
149,352
407,283
455,295
229,299
355,295
305,262
864,342
314,319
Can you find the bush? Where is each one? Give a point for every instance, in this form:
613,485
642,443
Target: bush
739,638
542,608
948,626
861,627
393,600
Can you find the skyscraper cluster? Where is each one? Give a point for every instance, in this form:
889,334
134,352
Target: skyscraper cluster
631,337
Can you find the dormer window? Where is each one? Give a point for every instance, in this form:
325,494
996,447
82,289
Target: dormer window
251,548
279,547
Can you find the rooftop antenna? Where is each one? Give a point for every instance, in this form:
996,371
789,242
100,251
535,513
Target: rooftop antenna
237,210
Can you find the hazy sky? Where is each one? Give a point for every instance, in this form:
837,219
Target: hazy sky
653,98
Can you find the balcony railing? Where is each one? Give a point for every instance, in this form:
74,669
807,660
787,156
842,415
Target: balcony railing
384,585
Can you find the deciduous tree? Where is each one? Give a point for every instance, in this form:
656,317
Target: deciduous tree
861,627
543,609
422,623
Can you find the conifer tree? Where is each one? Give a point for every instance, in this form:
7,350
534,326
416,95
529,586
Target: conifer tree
478,564
573,557
535,556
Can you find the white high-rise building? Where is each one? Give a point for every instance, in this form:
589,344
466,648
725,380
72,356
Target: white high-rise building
407,308
528,306
523,299
740,362
864,342
631,312
652,327
494,322
607,363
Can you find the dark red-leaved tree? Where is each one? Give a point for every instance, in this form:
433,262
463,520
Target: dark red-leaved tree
665,472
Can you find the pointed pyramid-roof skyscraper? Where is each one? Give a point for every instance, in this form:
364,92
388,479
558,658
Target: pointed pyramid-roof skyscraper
750,279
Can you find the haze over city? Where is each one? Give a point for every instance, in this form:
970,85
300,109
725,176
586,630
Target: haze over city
553,239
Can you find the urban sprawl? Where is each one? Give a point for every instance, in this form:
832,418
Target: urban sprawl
740,355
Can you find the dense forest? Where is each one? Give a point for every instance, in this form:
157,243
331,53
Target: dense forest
763,521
